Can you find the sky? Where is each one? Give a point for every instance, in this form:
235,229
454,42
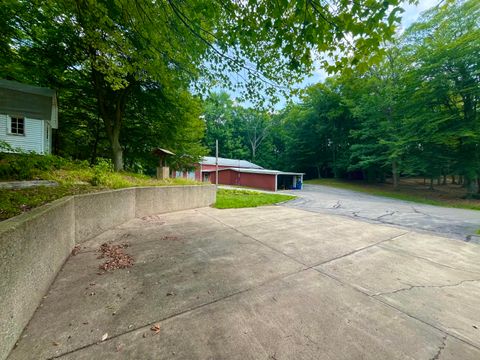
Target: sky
410,15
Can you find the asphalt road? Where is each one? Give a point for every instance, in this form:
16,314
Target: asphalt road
457,223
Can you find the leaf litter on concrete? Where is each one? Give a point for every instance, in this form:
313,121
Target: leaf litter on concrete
116,257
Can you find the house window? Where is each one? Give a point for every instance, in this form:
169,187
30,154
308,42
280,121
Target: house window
17,125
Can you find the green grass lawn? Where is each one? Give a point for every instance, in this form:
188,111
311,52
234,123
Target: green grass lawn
404,193
231,199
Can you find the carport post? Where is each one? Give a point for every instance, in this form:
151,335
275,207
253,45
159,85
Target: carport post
276,175
216,164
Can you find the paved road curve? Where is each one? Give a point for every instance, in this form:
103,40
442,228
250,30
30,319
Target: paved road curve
458,223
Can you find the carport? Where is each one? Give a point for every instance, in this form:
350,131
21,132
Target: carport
271,180
289,181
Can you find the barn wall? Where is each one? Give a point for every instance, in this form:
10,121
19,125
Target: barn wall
33,140
198,174
234,178
258,181
225,177
213,167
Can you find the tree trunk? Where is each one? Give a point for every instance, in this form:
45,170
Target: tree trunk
454,182
431,184
117,153
111,104
438,181
93,156
395,174
471,187
444,182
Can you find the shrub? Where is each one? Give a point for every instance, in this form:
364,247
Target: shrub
101,172
27,166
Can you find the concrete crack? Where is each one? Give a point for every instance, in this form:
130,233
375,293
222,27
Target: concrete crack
387,214
337,205
410,287
419,212
440,348
358,250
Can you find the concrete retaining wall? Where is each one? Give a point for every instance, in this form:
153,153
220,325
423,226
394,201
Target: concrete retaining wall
190,197
97,212
34,245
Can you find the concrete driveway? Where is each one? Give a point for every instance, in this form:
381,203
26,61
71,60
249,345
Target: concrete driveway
457,223
264,283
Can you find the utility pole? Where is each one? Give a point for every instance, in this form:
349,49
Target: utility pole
216,164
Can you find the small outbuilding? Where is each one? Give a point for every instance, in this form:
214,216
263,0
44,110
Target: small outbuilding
163,170
271,180
27,116
237,172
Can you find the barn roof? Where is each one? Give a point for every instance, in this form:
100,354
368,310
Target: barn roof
257,171
210,160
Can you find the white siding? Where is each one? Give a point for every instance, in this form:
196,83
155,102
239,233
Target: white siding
33,140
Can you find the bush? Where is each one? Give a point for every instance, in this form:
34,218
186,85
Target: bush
101,172
25,166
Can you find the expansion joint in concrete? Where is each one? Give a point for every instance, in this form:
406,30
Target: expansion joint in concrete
386,247
358,250
148,325
262,243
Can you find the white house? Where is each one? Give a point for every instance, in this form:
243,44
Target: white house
27,116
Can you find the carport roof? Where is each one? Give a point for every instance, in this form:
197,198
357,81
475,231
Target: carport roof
257,171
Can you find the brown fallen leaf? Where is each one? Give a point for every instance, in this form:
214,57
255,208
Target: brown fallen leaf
55,343
155,328
76,250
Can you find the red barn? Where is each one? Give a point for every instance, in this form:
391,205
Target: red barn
242,173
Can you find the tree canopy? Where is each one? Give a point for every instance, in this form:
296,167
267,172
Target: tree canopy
414,113
118,55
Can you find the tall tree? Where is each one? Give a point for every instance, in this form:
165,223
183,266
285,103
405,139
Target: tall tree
444,88
122,45
256,125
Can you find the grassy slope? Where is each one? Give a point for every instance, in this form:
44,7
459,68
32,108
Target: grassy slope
72,182
229,199
395,194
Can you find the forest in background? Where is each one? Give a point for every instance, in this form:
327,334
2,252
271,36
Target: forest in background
415,113
132,76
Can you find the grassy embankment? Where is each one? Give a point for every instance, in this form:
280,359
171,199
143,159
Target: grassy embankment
409,190
73,177
230,199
